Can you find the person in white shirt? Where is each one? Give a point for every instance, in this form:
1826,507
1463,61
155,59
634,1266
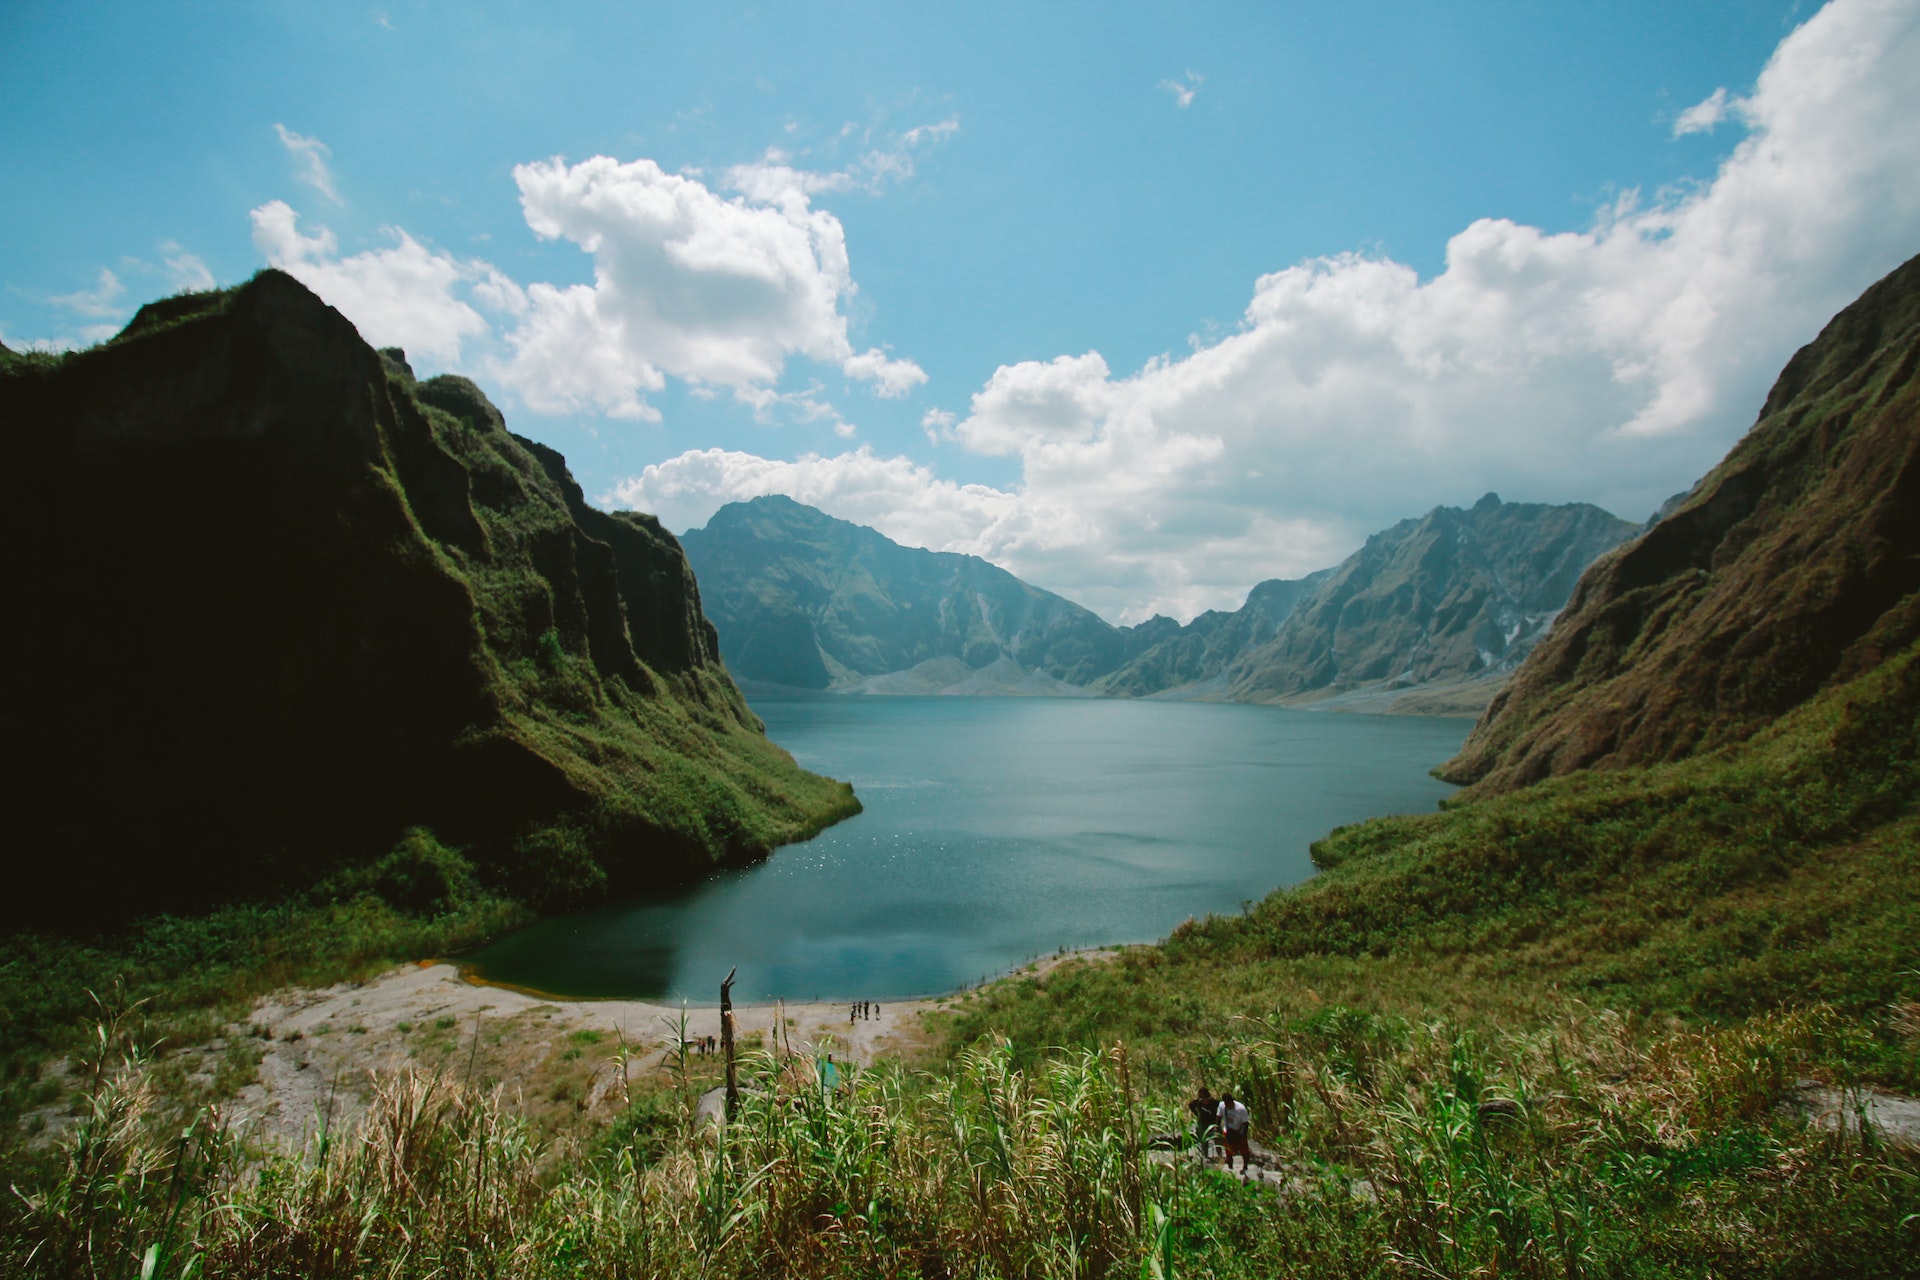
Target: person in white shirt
1234,1122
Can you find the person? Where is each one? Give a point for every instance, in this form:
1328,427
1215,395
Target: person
1205,1109
1234,1122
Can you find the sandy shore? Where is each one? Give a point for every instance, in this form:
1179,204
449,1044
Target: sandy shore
559,1059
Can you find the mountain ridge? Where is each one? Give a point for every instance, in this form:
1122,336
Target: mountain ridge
286,601
1423,618
1791,567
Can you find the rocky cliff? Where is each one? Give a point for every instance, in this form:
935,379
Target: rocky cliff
803,599
1454,598
1792,567
273,601
1195,658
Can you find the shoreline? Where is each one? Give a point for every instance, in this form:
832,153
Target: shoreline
566,1060
470,974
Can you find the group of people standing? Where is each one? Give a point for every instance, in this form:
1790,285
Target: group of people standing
1225,1118
862,1011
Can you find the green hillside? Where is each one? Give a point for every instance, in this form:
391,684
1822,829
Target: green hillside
1642,1020
280,603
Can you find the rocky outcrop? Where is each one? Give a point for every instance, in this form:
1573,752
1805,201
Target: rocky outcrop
1455,595
1452,600
803,599
1196,657
1794,565
273,601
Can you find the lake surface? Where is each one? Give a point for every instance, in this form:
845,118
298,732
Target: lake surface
996,830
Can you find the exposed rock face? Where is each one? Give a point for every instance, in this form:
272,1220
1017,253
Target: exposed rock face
1197,655
803,599
272,602
1793,565
1451,596
1454,596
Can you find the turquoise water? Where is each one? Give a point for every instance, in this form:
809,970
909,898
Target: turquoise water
996,830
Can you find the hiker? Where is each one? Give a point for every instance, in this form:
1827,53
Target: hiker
1234,1119
1205,1109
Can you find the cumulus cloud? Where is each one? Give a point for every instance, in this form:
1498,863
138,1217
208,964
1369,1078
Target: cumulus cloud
686,284
891,378
312,156
902,498
1614,364
408,295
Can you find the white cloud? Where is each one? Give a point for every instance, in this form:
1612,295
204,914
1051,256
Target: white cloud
891,378
405,296
770,179
895,495
1183,89
1704,116
1614,365
312,155
104,299
687,284
938,425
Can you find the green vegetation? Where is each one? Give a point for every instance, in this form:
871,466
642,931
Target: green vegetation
1489,1041
1576,1029
1577,1149
1775,873
175,981
307,602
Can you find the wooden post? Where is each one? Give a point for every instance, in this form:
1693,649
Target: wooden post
726,1042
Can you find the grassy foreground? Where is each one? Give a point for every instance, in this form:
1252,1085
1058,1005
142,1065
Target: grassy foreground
1561,1032
1619,1155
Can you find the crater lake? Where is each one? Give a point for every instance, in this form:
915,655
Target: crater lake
996,830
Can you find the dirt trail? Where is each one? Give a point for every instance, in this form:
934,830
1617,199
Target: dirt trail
560,1059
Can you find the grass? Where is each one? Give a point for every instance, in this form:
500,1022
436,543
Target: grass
1717,888
1610,1153
1556,1033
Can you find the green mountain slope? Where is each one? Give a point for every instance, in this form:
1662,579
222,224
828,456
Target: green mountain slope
1793,566
1750,671
803,599
275,602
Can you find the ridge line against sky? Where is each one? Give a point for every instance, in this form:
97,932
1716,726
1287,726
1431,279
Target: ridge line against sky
696,324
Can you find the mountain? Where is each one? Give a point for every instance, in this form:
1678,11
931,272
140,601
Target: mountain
1432,611
1193,658
1792,567
274,602
803,599
1427,616
1455,595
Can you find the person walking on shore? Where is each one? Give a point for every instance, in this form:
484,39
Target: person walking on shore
1234,1123
1205,1110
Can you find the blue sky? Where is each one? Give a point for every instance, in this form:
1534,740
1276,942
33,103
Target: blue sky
1146,302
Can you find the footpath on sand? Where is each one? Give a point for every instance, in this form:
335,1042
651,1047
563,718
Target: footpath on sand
320,1049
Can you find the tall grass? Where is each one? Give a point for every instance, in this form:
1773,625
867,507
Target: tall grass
1587,1148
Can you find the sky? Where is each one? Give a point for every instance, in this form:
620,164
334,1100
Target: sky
1144,302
